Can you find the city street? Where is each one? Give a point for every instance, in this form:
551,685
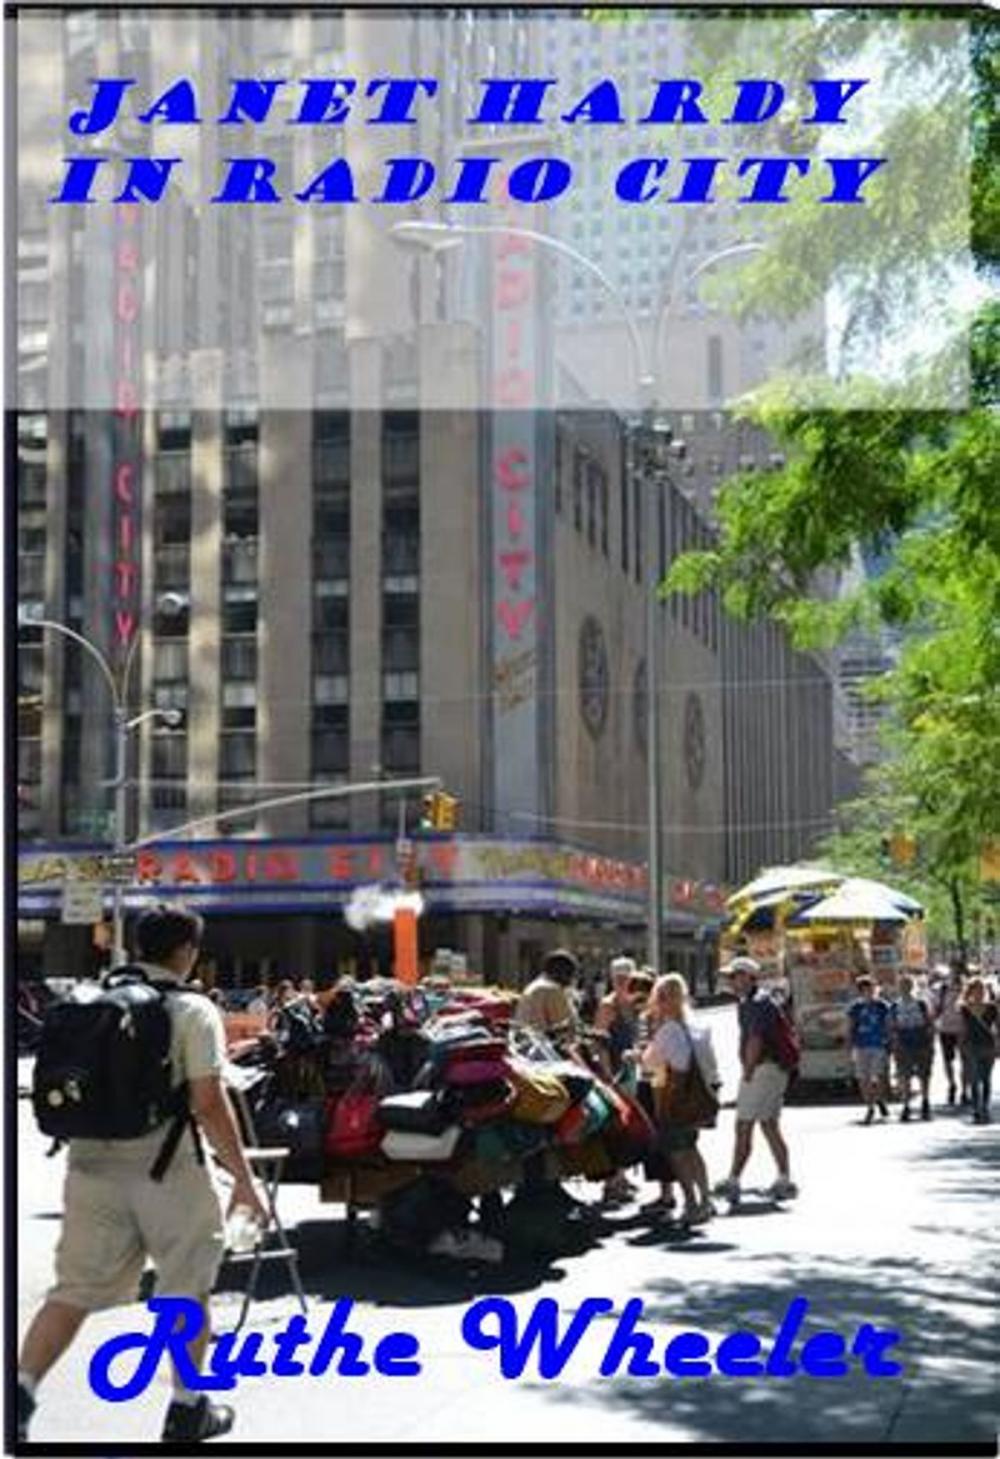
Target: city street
894,1226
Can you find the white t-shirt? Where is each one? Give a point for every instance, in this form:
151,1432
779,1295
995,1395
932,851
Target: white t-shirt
671,1046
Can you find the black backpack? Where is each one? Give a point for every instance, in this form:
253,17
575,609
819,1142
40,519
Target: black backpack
103,1070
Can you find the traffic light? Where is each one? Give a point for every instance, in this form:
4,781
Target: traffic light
902,849
439,811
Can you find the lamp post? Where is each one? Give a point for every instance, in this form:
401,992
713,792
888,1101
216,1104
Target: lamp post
436,237
122,727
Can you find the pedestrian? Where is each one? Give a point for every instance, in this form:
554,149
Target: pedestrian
868,1023
978,1040
115,1213
948,997
259,1005
676,1042
764,1081
911,1032
656,1164
545,1004
617,1024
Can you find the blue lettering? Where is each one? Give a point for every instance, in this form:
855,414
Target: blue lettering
335,184
245,1363
698,180
504,102
324,102
294,1335
539,179
756,101
626,1338
735,1354
147,179
676,101
177,106
831,98
601,105
684,1355
778,1364
771,175
542,1327
473,176
251,97
849,174
351,1364
631,183
108,95
396,1356
398,99
823,1356
165,1338
409,178
876,1340
247,181
79,176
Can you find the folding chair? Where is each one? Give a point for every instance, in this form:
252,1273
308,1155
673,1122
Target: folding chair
268,1163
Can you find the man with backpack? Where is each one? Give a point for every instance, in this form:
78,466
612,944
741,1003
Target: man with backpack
769,1056
129,1074
911,1030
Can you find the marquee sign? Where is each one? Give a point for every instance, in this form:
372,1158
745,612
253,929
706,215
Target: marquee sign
467,873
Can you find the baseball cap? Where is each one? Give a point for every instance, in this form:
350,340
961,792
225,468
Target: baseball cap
747,965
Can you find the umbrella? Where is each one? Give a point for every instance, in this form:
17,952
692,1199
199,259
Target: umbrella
855,901
780,879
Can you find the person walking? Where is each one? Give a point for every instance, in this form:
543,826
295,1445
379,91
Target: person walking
950,1027
978,1042
911,1032
545,1004
868,1023
617,1024
116,1213
764,1081
668,1057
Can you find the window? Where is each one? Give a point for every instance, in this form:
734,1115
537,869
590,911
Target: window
239,658
331,653
172,694
330,751
239,610
331,689
579,468
591,472
400,686
174,430
237,755
331,609
169,756
239,705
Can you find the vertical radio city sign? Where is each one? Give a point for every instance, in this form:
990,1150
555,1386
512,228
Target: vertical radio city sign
127,431
516,608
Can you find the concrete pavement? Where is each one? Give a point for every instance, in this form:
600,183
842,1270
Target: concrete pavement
894,1227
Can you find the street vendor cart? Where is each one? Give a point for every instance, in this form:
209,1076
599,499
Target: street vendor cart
814,931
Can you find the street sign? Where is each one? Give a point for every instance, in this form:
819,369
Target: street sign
120,866
83,902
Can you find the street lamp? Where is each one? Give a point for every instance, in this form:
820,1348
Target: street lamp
435,237
169,604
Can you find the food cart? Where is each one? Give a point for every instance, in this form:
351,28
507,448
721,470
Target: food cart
814,931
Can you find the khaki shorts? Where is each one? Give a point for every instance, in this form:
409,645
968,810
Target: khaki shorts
115,1216
870,1065
761,1096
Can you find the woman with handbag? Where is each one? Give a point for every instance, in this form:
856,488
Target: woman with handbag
686,1081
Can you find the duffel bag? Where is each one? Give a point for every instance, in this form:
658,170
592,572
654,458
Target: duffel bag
591,1159
475,1071
503,1141
420,1111
572,1127
300,1126
480,1103
576,1080
412,1145
353,1127
540,1098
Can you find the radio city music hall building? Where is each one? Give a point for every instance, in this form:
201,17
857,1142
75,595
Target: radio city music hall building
420,589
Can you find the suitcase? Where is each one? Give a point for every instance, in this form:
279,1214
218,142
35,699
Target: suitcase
420,1112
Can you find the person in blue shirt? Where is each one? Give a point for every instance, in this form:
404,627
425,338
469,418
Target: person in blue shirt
868,1020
